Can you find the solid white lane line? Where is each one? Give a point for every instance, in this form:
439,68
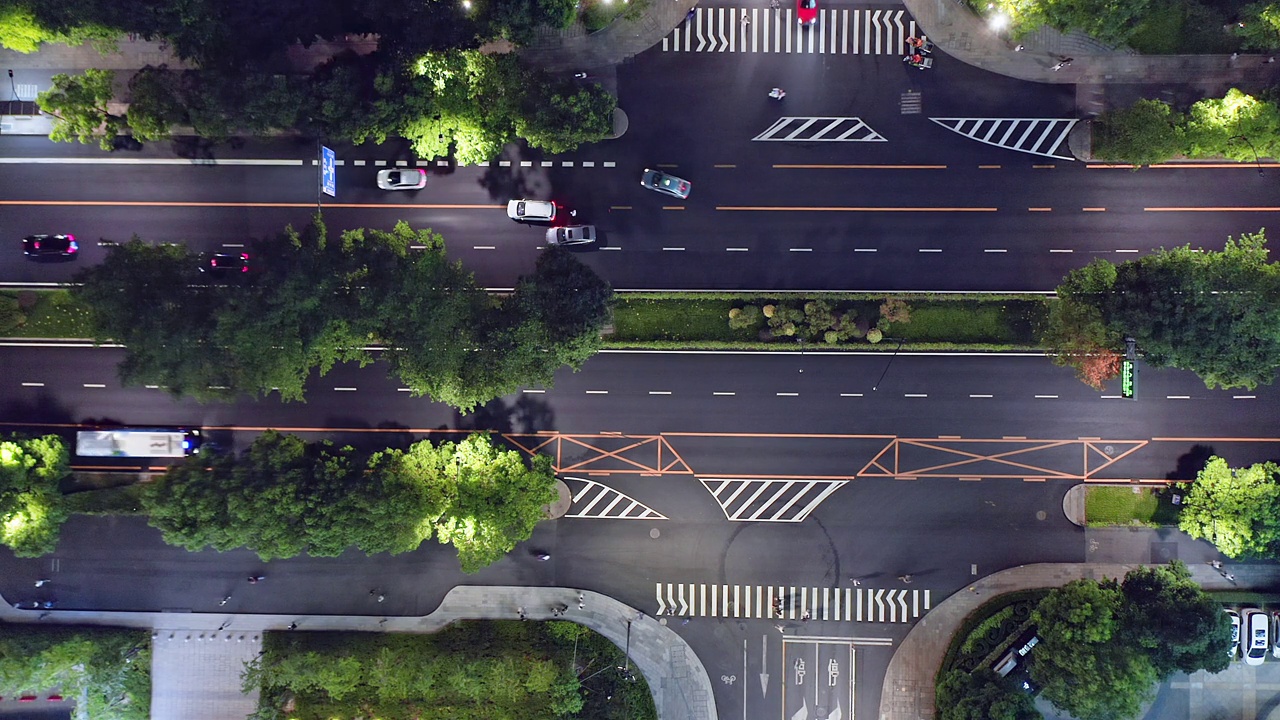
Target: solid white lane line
157,387
724,393
864,249
1052,250
1047,397
32,384
672,249
981,396
483,247
597,392
344,389
1177,397
915,395
1110,397
94,385
612,248
533,392
1126,251
932,250
1244,397
404,390
995,250
234,245
736,249
800,249
850,394
659,392
787,394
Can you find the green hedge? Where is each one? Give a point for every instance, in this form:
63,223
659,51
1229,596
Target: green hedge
44,314
1104,505
979,637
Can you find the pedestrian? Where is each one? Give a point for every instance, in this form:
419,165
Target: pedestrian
684,621
689,17
780,628
520,612
805,616
382,622
773,4
41,583
746,21
1063,63
223,626
381,598
1217,564
1019,47
906,579
1230,578
293,626
225,600
855,581
255,579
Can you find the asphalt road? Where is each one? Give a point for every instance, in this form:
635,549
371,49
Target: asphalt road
926,208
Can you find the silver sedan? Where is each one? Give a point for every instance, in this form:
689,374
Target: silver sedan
414,179
572,235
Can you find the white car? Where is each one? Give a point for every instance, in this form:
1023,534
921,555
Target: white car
1235,633
1275,634
414,179
1259,627
531,210
572,235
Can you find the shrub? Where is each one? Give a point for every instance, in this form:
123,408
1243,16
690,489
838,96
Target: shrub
744,317
895,310
1146,133
769,311
874,336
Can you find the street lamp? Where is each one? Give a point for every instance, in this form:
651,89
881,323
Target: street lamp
1256,159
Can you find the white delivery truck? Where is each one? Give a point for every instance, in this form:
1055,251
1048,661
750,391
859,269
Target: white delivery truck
138,442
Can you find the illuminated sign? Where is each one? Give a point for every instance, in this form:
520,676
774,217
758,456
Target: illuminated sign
1128,378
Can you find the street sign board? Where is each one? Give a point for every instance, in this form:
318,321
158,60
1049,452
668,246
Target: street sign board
328,172
1128,378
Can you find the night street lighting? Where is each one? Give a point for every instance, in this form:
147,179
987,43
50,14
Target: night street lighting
1256,159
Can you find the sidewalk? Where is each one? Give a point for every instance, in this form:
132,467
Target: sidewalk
197,657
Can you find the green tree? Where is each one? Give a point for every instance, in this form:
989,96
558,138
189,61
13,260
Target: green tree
1111,21
1080,663
557,115
1180,627
982,695
1216,314
496,498
1236,509
32,508
1147,133
1235,126
21,31
79,105
1260,26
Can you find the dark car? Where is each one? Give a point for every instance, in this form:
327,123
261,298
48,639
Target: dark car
50,246
224,263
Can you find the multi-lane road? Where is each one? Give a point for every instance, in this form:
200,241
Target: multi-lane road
710,482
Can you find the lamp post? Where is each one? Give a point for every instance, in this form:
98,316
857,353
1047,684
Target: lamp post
887,365
13,89
1256,159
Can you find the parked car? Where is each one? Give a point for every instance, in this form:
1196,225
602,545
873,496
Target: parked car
572,235
666,184
50,246
807,11
1259,631
414,179
218,264
531,210
1275,634
1235,633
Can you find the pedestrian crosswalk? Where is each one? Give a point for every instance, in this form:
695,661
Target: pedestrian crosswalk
1045,136
838,31
769,500
593,500
796,603
819,129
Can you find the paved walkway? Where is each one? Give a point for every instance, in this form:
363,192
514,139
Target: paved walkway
197,657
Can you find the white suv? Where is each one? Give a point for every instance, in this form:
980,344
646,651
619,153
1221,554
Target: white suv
531,210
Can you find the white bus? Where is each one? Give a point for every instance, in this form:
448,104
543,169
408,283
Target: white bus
138,442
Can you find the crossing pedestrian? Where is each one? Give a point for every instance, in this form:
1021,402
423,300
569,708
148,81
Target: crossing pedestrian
684,621
774,4
746,20
855,581
225,600
906,579
780,628
805,616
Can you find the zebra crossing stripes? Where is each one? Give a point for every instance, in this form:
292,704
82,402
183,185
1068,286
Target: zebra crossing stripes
593,500
765,500
909,103
1046,136
817,603
838,31
819,129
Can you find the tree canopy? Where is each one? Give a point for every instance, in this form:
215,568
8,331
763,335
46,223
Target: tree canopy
311,302
1237,126
32,507
283,496
1105,645
1216,314
1236,509
78,104
107,671
982,695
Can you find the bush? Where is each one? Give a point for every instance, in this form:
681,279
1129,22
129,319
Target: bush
895,310
745,317
1148,132
874,335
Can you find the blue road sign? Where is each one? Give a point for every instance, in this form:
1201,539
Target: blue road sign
328,172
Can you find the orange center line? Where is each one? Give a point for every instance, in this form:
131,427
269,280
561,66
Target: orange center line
185,204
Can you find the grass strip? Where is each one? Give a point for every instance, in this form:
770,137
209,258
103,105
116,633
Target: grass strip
1123,505
45,314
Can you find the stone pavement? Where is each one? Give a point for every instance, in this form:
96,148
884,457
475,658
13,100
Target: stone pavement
197,657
